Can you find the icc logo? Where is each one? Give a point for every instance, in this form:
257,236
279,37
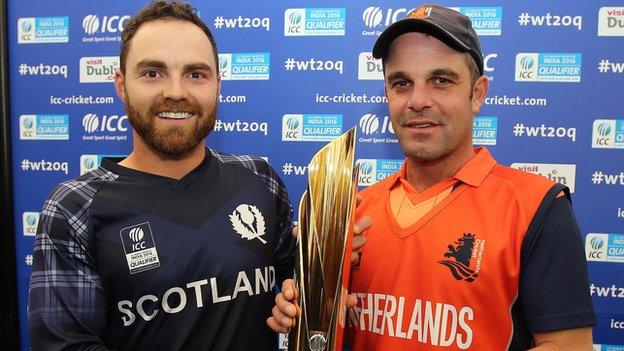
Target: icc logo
27,127
527,64
369,124
89,163
291,127
604,131
224,67
372,16
113,123
596,244
367,176
112,24
136,234
31,220
26,30
295,22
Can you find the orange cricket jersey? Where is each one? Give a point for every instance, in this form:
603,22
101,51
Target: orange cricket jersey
447,282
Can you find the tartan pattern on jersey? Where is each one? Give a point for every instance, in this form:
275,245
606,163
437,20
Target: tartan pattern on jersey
64,273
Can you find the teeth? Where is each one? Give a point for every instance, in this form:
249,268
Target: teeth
423,126
174,115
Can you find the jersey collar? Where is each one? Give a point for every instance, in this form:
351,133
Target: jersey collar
472,173
113,166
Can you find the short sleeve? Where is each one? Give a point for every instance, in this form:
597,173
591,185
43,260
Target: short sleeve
554,288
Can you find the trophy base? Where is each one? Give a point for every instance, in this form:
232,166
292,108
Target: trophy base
317,341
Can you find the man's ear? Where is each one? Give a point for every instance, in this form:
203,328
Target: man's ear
479,92
120,87
218,85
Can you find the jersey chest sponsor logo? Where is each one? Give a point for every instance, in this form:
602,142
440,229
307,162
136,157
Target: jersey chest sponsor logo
248,222
464,258
139,247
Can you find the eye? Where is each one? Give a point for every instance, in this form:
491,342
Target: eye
151,74
197,75
400,83
442,81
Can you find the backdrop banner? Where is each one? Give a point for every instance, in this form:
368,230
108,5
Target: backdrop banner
295,76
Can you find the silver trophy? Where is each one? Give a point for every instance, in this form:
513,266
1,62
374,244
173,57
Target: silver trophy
323,263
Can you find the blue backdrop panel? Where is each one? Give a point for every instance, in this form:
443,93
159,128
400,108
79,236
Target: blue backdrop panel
295,76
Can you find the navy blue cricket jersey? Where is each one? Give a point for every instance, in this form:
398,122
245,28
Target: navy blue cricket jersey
127,260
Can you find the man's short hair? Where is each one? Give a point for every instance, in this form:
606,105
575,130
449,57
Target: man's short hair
472,67
162,10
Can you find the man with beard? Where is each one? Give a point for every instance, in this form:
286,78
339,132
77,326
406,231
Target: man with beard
463,253
177,246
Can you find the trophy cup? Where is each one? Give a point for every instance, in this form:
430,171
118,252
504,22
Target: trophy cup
322,265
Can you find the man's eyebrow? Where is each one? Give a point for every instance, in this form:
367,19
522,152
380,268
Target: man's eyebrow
143,64
197,66
396,75
447,72
150,64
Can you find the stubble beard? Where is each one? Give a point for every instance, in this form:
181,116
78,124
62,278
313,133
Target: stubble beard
172,142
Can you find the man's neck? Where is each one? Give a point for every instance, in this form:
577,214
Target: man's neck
146,160
424,174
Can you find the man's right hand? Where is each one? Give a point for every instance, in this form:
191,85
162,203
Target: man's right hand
285,310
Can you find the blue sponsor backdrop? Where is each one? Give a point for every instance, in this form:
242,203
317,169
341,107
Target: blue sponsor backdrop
295,76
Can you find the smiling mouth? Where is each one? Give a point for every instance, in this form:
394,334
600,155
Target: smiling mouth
420,125
175,115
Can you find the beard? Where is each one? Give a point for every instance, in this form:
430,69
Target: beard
173,141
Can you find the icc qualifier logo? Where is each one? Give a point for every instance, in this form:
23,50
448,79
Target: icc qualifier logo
367,174
30,222
526,67
88,163
26,30
368,171
224,66
606,134
603,132
139,247
293,22
27,127
292,127
595,248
